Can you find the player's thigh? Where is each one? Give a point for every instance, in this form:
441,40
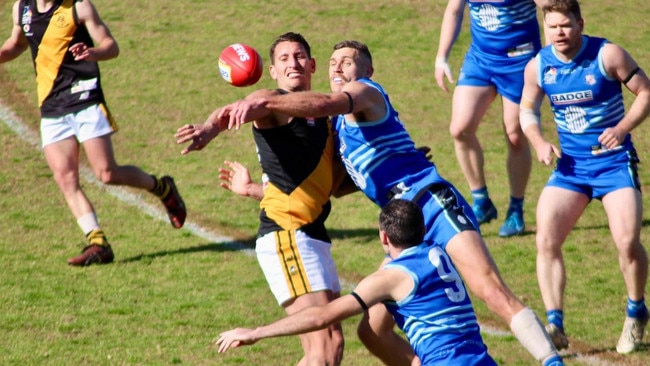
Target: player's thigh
624,212
511,117
558,210
471,257
63,156
470,102
99,152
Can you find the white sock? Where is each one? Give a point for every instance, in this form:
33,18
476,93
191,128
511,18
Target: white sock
88,222
530,332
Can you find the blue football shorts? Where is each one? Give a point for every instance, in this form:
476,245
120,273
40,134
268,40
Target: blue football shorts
507,75
597,176
446,213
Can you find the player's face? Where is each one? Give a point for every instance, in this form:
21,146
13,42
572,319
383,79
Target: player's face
346,65
292,68
565,33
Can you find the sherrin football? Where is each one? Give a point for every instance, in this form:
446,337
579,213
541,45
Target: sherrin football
240,65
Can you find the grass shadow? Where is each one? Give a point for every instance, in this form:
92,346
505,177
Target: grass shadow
248,244
228,246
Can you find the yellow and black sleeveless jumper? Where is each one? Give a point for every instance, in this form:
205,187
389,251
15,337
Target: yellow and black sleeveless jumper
64,85
296,160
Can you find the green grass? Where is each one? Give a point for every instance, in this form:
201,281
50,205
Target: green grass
171,292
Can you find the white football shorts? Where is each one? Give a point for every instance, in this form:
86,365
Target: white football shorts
295,264
94,121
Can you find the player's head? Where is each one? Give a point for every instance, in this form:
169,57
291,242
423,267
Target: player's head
566,7
403,223
291,62
563,25
351,60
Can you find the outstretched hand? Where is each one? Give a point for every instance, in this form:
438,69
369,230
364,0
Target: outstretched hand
200,135
242,111
235,338
236,179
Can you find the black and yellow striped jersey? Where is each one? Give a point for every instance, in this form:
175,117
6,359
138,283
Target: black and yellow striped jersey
64,85
296,161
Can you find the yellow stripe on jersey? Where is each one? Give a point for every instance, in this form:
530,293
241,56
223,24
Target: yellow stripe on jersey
305,203
53,47
291,263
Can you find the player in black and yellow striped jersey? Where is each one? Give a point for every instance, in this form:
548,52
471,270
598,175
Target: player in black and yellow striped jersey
66,39
296,156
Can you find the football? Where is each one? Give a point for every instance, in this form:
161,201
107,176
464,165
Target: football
240,65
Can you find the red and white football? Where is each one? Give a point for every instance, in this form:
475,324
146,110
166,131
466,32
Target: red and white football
240,65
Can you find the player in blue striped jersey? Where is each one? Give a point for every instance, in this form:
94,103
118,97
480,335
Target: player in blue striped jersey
505,36
582,77
420,287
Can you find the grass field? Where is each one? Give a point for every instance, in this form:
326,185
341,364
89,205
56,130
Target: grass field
170,292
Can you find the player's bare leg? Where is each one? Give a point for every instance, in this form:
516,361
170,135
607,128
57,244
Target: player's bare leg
519,160
99,152
471,257
102,160
518,163
63,160
624,213
321,347
468,108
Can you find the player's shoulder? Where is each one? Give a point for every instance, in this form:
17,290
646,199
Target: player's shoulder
264,93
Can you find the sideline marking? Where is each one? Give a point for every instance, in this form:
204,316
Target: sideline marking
15,124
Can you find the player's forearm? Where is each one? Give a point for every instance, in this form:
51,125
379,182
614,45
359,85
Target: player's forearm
302,322
638,112
106,50
8,52
449,30
308,104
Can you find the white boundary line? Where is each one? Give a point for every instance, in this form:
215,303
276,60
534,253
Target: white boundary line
10,119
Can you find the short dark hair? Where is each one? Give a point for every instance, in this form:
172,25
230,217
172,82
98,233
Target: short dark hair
290,37
564,7
403,223
361,47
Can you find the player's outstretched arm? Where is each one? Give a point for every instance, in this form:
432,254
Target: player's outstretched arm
379,286
307,320
200,135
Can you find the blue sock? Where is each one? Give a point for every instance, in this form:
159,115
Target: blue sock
636,309
556,317
516,204
480,196
554,361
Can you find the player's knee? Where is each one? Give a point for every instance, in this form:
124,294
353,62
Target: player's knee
460,132
517,141
68,181
106,176
547,246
